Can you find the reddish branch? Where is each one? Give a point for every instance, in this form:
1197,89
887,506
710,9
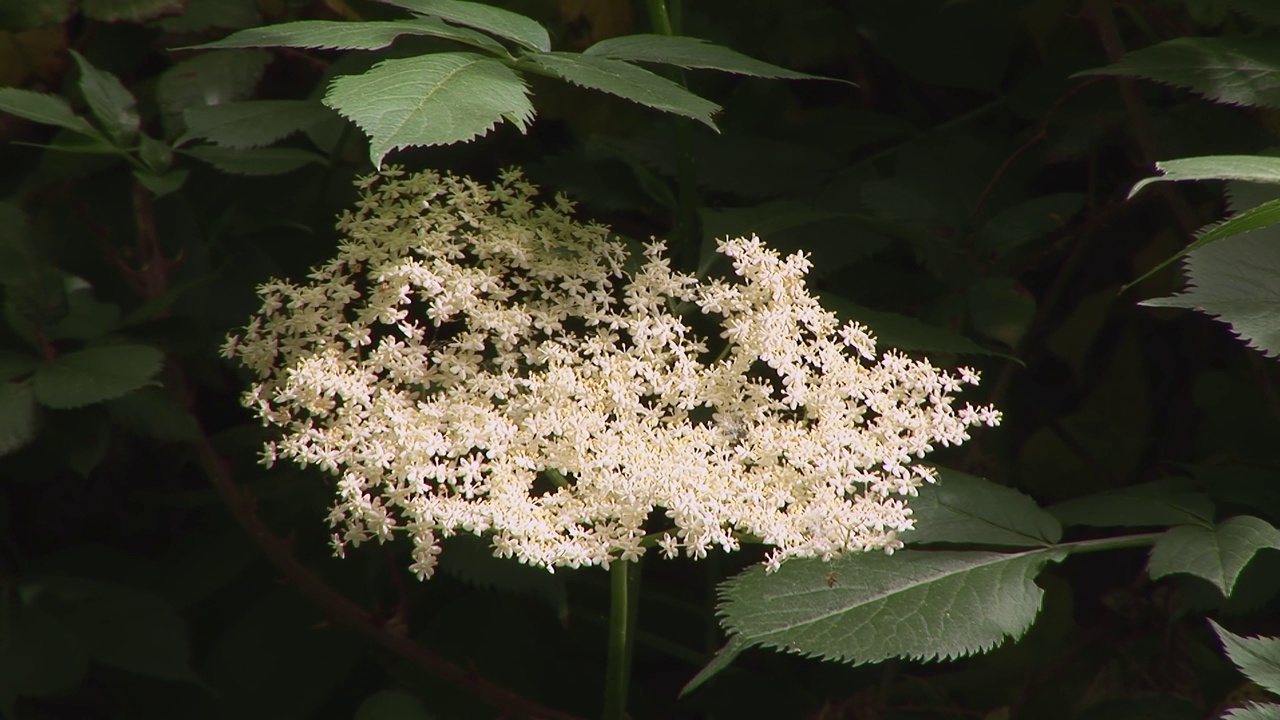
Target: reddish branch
338,608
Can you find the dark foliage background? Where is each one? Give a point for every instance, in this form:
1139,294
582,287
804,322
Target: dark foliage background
967,199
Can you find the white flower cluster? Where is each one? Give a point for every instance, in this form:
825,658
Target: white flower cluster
472,361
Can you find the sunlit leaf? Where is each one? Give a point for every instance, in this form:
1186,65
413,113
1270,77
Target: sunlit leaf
1255,218
1257,657
1238,70
336,35
692,53
1250,168
493,20
961,508
915,604
434,99
627,81
1157,504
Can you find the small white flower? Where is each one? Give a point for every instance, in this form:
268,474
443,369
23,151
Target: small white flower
472,361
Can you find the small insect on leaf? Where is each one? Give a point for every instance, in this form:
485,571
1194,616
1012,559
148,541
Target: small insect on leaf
831,579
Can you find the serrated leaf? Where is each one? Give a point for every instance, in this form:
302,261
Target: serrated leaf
434,99
208,79
1239,71
1157,504
1254,711
1237,282
1255,218
89,376
1217,554
252,123
1257,657
119,626
1000,308
254,161
335,35
493,20
392,705
869,607
627,81
691,53
17,416
42,108
130,10
111,103
1250,168
961,508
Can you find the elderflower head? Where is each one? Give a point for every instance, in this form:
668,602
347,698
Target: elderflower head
473,361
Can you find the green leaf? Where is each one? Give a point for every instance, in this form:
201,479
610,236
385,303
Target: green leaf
1028,221
1239,71
1000,308
721,660
17,416
201,15
39,656
1255,218
119,626
691,53
111,103
471,560
334,35
863,608
904,332
25,14
152,412
1216,554
208,79
961,508
161,184
1157,504
493,20
42,108
157,155
1257,657
16,365
90,376
434,99
1250,168
392,705
254,161
86,318
252,123
1254,711
1237,282
627,81
130,10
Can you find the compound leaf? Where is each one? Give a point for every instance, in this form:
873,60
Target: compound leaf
1239,71
1257,657
627,81
493,20
692,53
1217,554
89,376
432,99
869,607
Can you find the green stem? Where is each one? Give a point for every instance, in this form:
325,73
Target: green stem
624,583
688,230
1111,543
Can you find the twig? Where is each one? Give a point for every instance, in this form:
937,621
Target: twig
1113,46
342,610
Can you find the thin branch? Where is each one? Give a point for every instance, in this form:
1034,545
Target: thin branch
1109,35
341,610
